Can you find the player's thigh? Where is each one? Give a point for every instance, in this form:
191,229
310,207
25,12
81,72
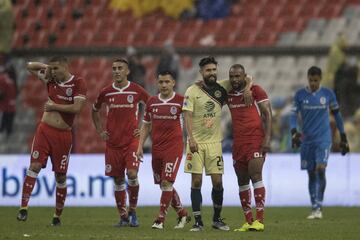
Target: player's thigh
156,164
132,161
114,162
307,155
322,152
241,158
60,153
171,162
194,162
214,162
40,149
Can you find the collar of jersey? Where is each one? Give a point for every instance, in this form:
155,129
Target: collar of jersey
63,83
309,91
121,89
166,100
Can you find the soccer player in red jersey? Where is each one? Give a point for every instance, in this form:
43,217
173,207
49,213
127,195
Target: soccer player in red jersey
252,132
163,118
67,97
122,99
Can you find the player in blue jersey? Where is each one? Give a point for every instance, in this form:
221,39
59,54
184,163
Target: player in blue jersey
313,104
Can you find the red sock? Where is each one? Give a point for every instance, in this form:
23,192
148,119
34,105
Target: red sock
164,204
61,191
245,199
176,204
28,186
133,190
259,194
120,198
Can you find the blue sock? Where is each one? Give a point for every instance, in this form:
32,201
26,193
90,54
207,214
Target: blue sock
312,188
321,187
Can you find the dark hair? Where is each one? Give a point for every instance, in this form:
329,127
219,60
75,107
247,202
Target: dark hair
207,60
237,65
314,71
123,60
60,59
167,72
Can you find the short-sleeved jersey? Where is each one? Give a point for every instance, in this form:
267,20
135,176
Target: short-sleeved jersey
65,93
165,116
225,83
314,111
246,121
123,108
205,106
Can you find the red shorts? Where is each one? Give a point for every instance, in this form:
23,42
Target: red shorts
244,152
165,164
53,142
119,159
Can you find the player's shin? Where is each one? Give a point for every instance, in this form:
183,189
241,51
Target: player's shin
245,199
61,191
312,189
120,198
166,195
217,198
176,204
259,195
28,186
196,200
133,190
321,188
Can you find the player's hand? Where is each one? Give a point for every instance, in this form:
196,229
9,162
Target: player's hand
136,133
265,146
49,106
295,139
248,98
344,145
48,76
104,135
139,153
193,145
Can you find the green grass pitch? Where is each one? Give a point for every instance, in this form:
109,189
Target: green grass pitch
96,223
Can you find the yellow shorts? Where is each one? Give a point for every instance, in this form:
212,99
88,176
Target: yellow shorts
208,156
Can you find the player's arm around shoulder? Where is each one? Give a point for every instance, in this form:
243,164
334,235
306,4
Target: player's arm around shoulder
40,70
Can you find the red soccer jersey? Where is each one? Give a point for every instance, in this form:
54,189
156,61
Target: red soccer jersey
165,116
65,93
123,108
246,121
8,92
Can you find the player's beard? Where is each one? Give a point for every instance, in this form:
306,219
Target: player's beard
210,82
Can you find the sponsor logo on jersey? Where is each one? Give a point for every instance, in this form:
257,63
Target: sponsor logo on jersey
107,168
164,117
69,92
64,98
130,99
322,100
35,154
121,106
173,110
209,106
189,166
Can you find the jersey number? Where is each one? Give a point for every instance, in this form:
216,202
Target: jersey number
220,161
63,162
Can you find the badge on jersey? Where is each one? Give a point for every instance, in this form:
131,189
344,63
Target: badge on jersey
69,92
322,100
130,99
217,94
35,154
108,168
173,110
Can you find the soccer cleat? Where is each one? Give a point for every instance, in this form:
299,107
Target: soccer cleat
158,225
219,224
244,228
22,215
182,221
257,226
56,222
197,227
133,219
124,222
316,214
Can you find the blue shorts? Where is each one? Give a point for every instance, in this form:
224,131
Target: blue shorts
313,154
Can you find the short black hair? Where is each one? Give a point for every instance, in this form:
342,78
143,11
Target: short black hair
314,71
123,60
167,72
60,59
237,65
207,60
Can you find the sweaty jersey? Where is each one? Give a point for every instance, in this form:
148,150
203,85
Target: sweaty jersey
65,93
123,107
165,116
205,105
314,111
246,121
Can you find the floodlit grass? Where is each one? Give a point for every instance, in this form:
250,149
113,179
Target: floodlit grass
96,223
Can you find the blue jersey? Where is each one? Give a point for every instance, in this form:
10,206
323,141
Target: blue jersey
314,112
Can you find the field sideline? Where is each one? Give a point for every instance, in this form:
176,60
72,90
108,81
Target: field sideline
96,223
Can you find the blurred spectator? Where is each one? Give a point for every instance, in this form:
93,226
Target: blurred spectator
6,26
210,9
169,60
137,69
7,102
355,140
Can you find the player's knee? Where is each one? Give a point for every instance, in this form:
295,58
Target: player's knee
131,174
320,168
166,186
119,180
256,177
217,184
60,178
196,183
243,181
35,167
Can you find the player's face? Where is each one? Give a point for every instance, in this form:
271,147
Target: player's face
237,78
209,74
120,71
166,84
58,71
314,82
